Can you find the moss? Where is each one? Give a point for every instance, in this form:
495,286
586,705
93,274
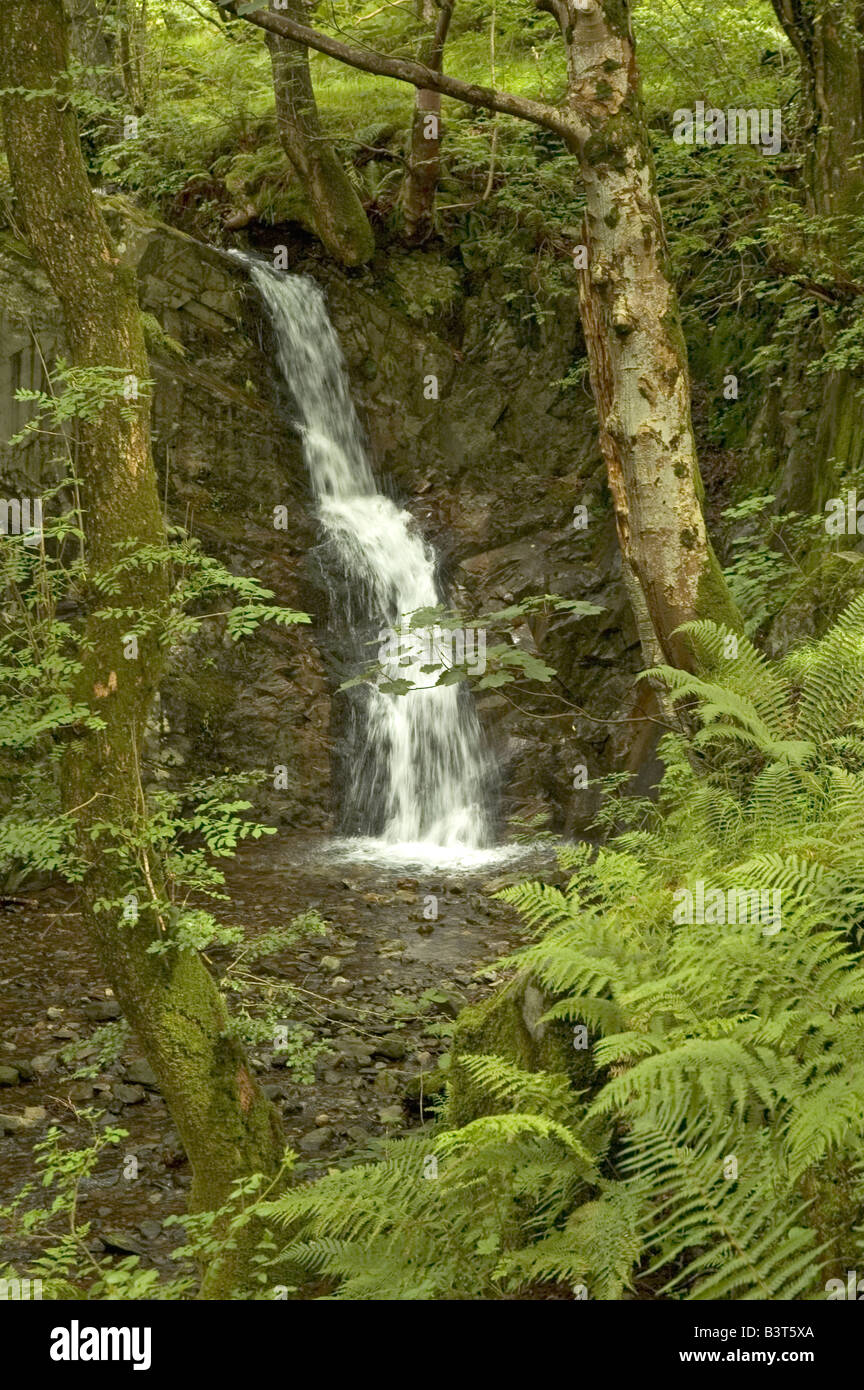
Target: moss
508,1025
602,150
713,599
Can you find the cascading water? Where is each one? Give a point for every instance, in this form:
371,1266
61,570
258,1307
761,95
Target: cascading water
421,777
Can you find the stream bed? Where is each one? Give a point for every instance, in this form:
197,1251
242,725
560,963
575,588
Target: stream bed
360,992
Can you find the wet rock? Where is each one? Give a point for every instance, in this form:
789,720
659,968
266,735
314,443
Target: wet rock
150,1230
140,1073
316,1140
340,985
81,1090
390,1115
11,1124
9,1076
392,1045
120,1242
330,963
44,1063
389,1083
102,1010
128,1095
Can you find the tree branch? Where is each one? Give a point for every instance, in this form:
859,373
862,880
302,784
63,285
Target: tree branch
418,75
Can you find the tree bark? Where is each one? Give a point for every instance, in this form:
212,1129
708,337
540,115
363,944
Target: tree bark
827,38
228,1128
636,349
421,176
335,208
828,41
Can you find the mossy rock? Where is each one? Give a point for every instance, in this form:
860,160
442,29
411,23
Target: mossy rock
509,1024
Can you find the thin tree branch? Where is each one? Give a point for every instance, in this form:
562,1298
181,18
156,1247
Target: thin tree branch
566,125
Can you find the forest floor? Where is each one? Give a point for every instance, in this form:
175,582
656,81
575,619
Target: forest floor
378,994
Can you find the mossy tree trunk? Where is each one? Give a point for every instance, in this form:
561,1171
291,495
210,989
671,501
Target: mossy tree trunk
424,163
334,206
637,353
828,39
228,1128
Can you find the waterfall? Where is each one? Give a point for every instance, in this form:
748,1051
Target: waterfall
421,774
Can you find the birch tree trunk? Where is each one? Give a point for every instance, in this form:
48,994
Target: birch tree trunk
229,1130
636,350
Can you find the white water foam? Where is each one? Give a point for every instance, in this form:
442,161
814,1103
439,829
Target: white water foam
424,773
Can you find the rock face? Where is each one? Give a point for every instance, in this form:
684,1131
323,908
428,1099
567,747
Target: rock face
469,427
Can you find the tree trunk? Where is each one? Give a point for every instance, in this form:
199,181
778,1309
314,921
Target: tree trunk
335,208
421,177
828,41
636,350
170,1000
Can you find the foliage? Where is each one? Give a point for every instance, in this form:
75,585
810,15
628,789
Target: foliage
67,1265
51,588
729,1092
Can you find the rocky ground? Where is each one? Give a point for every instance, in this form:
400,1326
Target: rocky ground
378,994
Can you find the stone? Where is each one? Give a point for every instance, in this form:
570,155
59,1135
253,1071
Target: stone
118,1241
81,1091
390,1115
9,1076
102,1011
140,1073
126,1094
315,1140
330,963
392,1045
340,985
389,1083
